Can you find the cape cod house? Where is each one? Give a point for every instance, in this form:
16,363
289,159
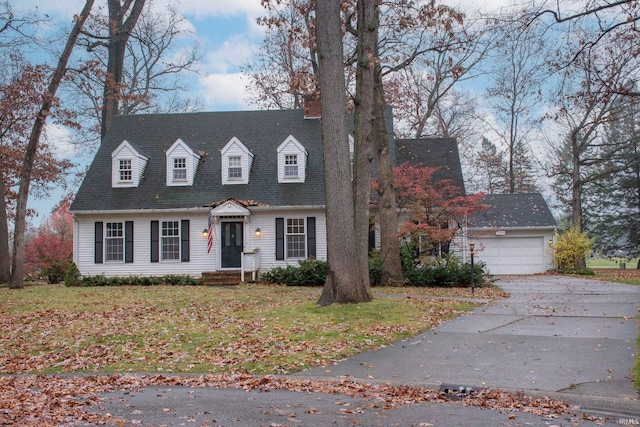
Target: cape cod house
191,193
217,191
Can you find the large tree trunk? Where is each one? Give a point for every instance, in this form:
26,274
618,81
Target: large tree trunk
119,32
364,120
5,260
344,282
17,270
388,214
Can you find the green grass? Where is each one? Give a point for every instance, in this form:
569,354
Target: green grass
250,329
611,263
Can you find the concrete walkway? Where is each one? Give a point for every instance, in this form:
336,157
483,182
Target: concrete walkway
569,338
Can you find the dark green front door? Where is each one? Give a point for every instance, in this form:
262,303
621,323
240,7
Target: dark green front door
231,242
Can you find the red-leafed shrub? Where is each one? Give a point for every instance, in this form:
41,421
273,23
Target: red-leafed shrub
49,251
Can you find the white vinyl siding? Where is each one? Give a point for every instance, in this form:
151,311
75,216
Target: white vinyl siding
200,260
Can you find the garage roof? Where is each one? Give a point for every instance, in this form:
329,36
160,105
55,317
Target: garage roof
514,210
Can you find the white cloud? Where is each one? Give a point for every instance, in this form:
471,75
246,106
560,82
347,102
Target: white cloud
224,92
234,52
59,139
205,8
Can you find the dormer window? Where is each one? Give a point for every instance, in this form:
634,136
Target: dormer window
180,169
292,161
125,170
236,162
291,166
127,165
182,164
235,167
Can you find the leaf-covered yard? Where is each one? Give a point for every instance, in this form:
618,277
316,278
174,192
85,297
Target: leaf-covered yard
249,329
229,335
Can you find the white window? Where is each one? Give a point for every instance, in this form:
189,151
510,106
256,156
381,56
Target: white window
125,170
235,167
114,241
291,165
170,240
180,169
295,238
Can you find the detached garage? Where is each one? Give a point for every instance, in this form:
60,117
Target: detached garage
512,236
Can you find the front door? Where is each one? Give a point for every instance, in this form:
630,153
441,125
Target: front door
231,242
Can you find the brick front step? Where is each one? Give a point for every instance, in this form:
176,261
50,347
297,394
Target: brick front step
221,278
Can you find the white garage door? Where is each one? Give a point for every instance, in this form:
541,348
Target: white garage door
512,255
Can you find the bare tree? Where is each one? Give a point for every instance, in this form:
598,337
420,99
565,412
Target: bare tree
514,93
286,66
17,270
154,61
604,19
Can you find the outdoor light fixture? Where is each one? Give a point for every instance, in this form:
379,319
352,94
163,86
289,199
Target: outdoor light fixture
258,232
550,242
205,232
473,270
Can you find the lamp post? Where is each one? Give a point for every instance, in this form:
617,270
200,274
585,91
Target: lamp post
473,270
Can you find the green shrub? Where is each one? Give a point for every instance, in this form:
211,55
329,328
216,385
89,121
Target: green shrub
308,272
72,276
445,271
571,249
172,280
375,268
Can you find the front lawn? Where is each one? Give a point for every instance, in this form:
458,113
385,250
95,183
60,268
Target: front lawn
248,329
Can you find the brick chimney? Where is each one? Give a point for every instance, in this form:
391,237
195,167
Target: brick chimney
311,106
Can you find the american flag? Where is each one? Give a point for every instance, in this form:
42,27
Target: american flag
209,235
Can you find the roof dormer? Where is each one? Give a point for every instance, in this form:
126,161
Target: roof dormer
127,165
292,161
182,164
236,162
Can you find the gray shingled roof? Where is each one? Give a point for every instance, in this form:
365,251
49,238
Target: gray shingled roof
441,153
514,210
261,131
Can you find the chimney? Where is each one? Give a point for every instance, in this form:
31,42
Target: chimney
311,105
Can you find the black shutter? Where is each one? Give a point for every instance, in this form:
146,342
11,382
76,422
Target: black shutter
279,238
311,236
184,240
155,240
128,241
98,243
372,237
